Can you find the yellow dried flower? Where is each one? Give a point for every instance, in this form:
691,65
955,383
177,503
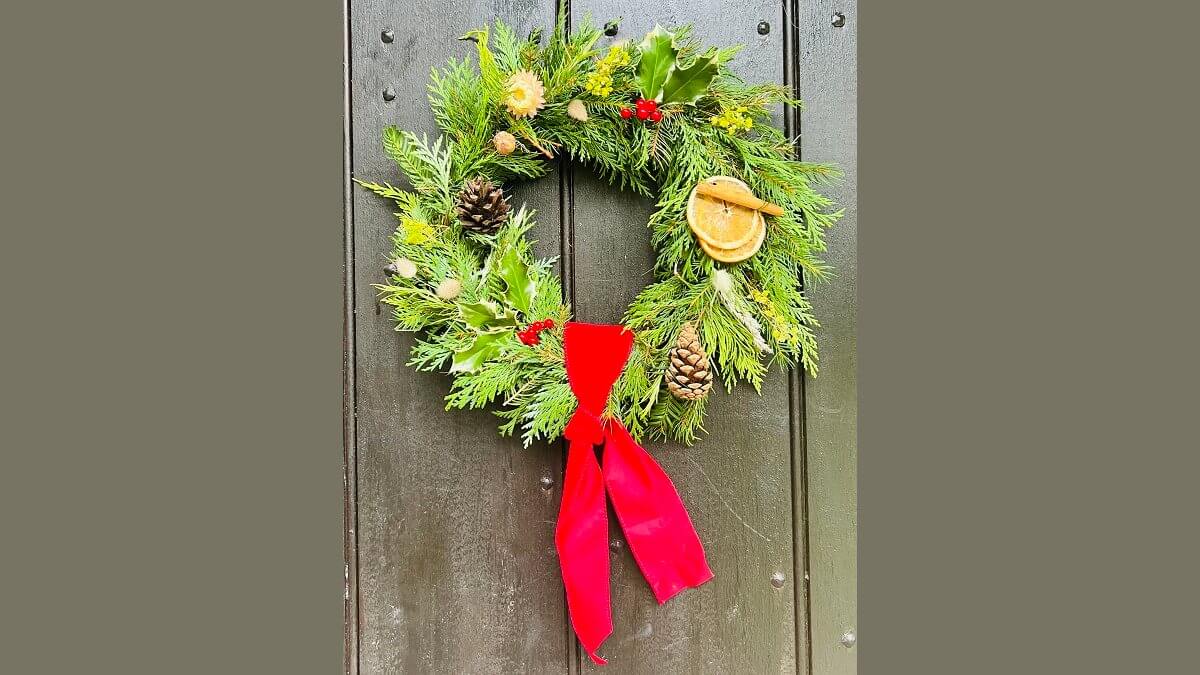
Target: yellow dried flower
598,83
616,57
781,328
733,120
525,94
416,232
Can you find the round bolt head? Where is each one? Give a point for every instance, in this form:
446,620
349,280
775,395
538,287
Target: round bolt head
838,20
610,28
547,482
763,28
389,94
848,639
388,35
777,579
615,544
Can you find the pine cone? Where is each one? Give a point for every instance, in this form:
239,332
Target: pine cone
481,206
688,375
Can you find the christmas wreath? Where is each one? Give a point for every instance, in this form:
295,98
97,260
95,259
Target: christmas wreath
737,229
657,117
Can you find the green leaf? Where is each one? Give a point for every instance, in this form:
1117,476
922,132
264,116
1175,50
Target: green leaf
520,289
687,85
487,316
485,346
487,62
658,58
386,190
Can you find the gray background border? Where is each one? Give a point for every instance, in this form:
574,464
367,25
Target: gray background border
172,475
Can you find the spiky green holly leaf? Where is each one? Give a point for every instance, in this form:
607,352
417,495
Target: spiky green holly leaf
519,287
687,85
658,58
487,316
485,346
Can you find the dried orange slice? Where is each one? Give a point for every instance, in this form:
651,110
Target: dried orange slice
723,224
733,255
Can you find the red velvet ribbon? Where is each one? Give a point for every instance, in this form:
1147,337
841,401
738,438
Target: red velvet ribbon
657,527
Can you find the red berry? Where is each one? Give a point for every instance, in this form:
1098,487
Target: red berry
549,323
655,116
652,105
626,113
535,327
642,114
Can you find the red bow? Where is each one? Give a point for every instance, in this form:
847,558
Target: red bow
661,536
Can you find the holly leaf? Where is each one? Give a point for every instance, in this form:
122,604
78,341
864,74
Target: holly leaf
658,58
485,346
487,316
520,289
687,85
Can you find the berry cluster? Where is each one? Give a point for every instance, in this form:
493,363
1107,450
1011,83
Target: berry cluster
644,109
529,336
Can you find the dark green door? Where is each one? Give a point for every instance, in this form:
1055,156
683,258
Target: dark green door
450,528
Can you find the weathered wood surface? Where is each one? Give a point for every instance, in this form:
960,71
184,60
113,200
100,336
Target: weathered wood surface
736,483
455,569
456,565
828,79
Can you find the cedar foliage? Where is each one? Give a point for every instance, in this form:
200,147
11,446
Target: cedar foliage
762,316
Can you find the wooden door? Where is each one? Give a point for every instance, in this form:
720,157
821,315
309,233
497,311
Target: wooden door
451,565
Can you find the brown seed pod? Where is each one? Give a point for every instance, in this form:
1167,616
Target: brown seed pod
505,142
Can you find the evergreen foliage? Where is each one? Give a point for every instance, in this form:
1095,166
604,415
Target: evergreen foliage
744,313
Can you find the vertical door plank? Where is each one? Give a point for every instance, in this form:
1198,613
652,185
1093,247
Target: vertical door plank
736,482
828,83
456,565
349,440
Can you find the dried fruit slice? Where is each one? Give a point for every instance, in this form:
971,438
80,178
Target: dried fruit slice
732,255
723,224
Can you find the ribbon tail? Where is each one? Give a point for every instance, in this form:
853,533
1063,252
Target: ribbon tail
661,536
581,536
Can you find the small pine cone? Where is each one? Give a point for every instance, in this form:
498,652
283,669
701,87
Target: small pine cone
688,375
481,206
